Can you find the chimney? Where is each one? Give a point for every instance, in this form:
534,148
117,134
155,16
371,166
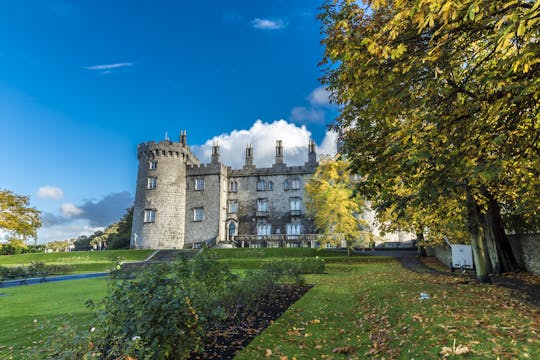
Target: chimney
215,153
249,156
279,152
183,137
312,154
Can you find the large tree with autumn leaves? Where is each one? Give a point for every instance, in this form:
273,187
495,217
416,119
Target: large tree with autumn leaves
439,103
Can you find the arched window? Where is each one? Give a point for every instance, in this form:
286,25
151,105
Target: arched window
270,186
233,186
231,233
295,184
264,229
286,185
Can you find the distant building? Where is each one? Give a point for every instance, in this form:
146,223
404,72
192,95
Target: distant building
181,203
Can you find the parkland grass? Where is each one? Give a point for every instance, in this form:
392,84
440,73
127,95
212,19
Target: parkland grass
363,307
80,261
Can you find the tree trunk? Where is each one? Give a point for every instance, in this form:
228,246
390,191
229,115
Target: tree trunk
481,261
419,242
506,261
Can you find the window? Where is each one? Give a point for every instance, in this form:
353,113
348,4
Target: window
152,165
270,186
233,207
232,230
294,229
295,184
296,205
198,214
264,229
262,205
199,184
261,185
233,186
149,215
286,185
151,183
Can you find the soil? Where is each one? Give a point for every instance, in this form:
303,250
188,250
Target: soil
235,334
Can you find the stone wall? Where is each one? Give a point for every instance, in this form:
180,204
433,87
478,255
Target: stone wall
527,250
167,199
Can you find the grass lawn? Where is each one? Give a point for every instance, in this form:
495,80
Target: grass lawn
364,307
374,310
81,261
30,314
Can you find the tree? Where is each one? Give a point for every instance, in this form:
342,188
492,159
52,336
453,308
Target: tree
17,218
440,101
334,204
116,235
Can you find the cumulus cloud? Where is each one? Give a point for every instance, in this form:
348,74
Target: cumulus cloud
50,192
84,219
319,105
69,210
107,210
319,97
302,114
267,24
262,136
64,231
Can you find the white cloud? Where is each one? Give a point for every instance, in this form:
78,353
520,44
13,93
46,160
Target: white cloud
319,97
267,24
329,144
262,136
64,231
301,114
70,210
50,192
105,67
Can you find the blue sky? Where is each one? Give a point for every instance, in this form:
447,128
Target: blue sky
83,82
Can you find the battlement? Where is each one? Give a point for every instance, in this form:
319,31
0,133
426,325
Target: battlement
275,170
207,169
166,148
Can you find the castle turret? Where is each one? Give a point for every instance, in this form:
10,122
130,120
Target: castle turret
215,153
279,152
159,211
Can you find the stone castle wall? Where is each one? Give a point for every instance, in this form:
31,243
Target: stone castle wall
175,197
167,199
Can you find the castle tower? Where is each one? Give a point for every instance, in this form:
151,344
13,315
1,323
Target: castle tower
159,211
215,153
279,152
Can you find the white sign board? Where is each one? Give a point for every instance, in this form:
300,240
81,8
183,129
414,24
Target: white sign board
462,256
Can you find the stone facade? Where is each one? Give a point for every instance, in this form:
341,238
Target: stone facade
180,202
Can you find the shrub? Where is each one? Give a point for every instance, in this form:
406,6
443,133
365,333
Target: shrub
165,312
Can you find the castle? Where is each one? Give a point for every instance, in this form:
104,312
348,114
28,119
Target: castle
181,203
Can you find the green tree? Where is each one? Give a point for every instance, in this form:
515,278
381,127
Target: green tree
116,235
334,204
440,100
17,218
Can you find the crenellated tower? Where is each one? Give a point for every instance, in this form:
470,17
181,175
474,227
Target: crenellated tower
160,197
